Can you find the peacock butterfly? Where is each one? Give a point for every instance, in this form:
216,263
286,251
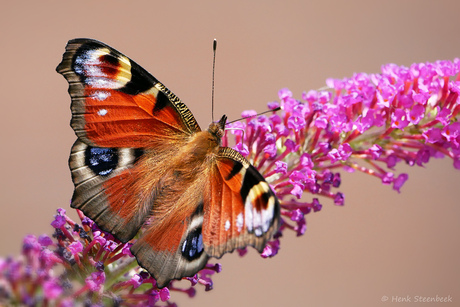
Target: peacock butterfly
142,161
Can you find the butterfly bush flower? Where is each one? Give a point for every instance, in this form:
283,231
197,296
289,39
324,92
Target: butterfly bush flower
83,265
367,123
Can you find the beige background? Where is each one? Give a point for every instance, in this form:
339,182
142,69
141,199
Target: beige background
380,244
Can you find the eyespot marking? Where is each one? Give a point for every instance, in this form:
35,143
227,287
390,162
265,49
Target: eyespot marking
193,247
102,161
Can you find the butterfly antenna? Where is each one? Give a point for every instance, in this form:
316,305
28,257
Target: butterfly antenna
268,111
214,47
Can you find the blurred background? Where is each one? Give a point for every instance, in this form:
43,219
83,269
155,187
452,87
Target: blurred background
379,244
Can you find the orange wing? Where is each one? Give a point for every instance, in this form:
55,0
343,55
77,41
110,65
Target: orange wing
124,118
116,103
240,208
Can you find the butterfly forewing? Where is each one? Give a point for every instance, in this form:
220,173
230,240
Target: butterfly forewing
115,102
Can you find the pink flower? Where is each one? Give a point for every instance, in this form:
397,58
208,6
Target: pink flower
416,114
399,119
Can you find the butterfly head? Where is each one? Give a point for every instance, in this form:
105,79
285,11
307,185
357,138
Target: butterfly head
217,129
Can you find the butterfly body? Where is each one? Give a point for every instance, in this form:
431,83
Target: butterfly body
142,163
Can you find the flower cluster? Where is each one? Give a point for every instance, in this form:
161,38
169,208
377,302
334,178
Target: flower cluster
95,269
366,123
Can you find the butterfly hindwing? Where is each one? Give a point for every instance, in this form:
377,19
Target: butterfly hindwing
174,249
241,208
171,246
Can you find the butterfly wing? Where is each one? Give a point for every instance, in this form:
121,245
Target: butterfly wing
230,206
103,178
240,208
115,102
122,116
172,248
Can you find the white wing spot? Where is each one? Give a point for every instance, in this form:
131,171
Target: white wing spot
101,82
227,225
102,112
100,95
267,215
239,222
248,215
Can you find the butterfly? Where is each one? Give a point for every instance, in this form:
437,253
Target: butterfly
141,161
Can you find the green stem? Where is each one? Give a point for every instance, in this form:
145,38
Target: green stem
122,269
